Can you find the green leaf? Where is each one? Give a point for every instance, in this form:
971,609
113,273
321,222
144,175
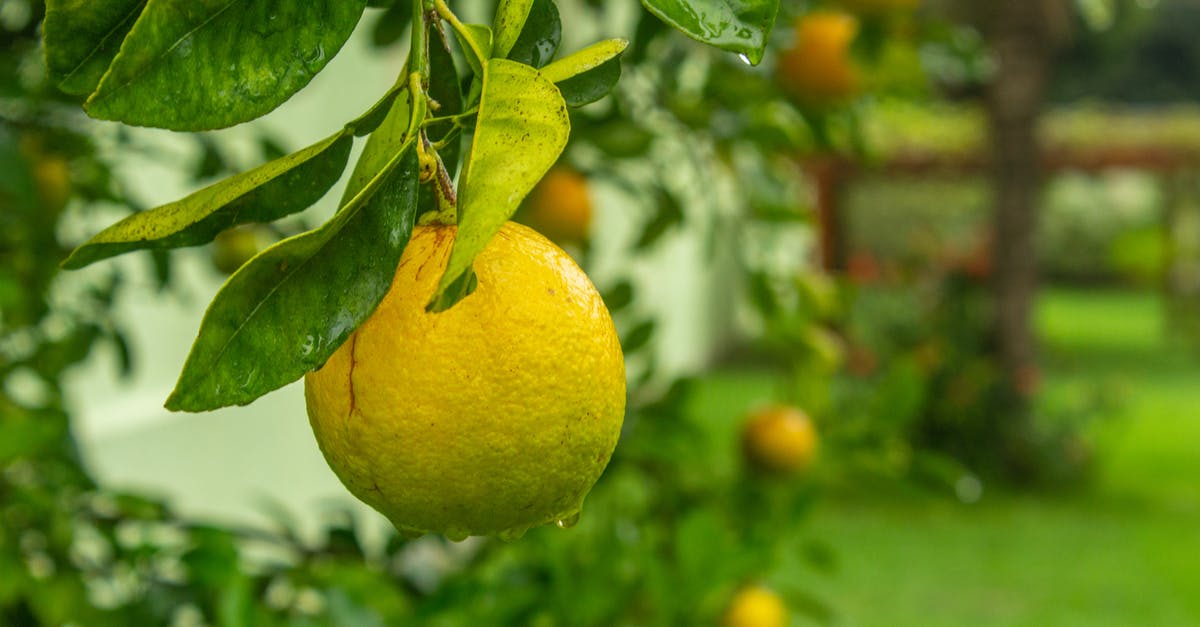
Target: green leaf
82,37
589,74
668,213
444,88
268,192
619,297
740,26
638,337
476,43
521,129
384,144
392,24
540,35
209,64
287,310
508,24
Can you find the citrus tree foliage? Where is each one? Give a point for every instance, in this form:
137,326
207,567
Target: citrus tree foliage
477,114
212,64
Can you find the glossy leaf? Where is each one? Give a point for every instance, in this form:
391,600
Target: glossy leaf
287,310
81,38
275,189
266,193
508,24
521,129
740,26
209,64
540,35
589,74
383,145
585,60
476,45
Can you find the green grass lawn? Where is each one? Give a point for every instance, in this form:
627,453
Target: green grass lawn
1123,552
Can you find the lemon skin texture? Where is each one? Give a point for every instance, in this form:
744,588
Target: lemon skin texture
491,417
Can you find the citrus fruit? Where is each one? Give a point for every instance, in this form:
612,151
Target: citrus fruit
560,206
51,172
817,69
756,606
491,417
779,439
233,247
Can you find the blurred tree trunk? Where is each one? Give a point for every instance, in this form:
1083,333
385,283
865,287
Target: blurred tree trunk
1022,35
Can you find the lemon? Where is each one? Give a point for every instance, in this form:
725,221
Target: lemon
232,248
756,606
818,69
561,207
779,439
494,416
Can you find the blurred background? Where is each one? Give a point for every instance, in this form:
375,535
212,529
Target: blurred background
911,313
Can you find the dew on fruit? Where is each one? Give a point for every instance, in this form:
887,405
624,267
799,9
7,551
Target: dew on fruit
567,521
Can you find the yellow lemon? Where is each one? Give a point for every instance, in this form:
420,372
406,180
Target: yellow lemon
779,439
756,606
494,416
232,248
818,69
560,206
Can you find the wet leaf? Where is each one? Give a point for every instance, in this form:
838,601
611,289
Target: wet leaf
540,36
266,193
740,26
210,64
270,191
287,310
82,37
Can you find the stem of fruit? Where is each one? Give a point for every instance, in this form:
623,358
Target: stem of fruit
443,188
446,14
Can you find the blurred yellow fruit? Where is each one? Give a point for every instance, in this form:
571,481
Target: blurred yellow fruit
756,606
51,172
779,439
233,247
560,207
494,416
818,70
